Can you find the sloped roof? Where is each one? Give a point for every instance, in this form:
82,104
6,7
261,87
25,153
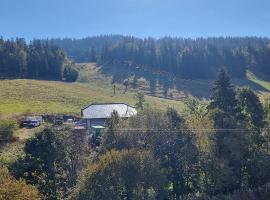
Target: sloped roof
103,111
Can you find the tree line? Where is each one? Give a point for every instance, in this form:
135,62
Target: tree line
216,149
189,58
38,60
86,49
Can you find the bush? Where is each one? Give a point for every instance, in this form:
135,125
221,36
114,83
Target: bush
10,188
7,129
71,74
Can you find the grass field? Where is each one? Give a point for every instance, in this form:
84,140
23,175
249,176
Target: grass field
261,82
265,91
146,80
21,95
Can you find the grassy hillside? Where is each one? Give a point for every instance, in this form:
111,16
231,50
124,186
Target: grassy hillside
37,96
264,84
151,82
178,89
21,95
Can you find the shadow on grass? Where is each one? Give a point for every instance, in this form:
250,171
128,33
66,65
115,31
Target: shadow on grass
197,88
253,85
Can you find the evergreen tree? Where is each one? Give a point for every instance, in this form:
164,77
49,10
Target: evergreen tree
140,100
109,137
126,84
93,55
174,120
223,94
40,59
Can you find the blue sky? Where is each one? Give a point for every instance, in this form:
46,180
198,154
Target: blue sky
141,18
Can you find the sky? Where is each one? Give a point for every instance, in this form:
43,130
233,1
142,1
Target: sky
141,18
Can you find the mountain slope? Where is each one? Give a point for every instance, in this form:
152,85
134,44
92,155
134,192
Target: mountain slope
37,96
158,83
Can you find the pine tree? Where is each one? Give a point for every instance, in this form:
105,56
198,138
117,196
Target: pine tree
93,55
140,100
223,94
109,138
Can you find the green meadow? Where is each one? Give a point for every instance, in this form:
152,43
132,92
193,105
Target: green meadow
38,96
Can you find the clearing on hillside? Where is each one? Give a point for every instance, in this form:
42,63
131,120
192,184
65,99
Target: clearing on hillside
36,96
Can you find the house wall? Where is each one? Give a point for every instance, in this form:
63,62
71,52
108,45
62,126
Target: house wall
94,122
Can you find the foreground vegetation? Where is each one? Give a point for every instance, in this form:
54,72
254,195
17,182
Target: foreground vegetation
15,189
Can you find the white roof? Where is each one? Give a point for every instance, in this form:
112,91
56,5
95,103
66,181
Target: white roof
103,111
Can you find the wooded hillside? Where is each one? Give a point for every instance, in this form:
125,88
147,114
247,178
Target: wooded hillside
38,60
189,58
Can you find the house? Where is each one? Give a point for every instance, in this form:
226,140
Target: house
96,115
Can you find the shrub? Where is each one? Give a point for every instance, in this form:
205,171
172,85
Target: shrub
10,188
71,74
7,129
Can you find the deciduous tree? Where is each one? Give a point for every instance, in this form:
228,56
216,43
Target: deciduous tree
122,175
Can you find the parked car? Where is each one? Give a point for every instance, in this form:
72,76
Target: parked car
31,122
58,121
69,121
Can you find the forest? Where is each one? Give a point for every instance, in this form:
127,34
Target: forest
215,150
185,58
189,58
37,60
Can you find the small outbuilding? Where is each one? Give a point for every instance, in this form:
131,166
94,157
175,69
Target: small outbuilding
98,113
